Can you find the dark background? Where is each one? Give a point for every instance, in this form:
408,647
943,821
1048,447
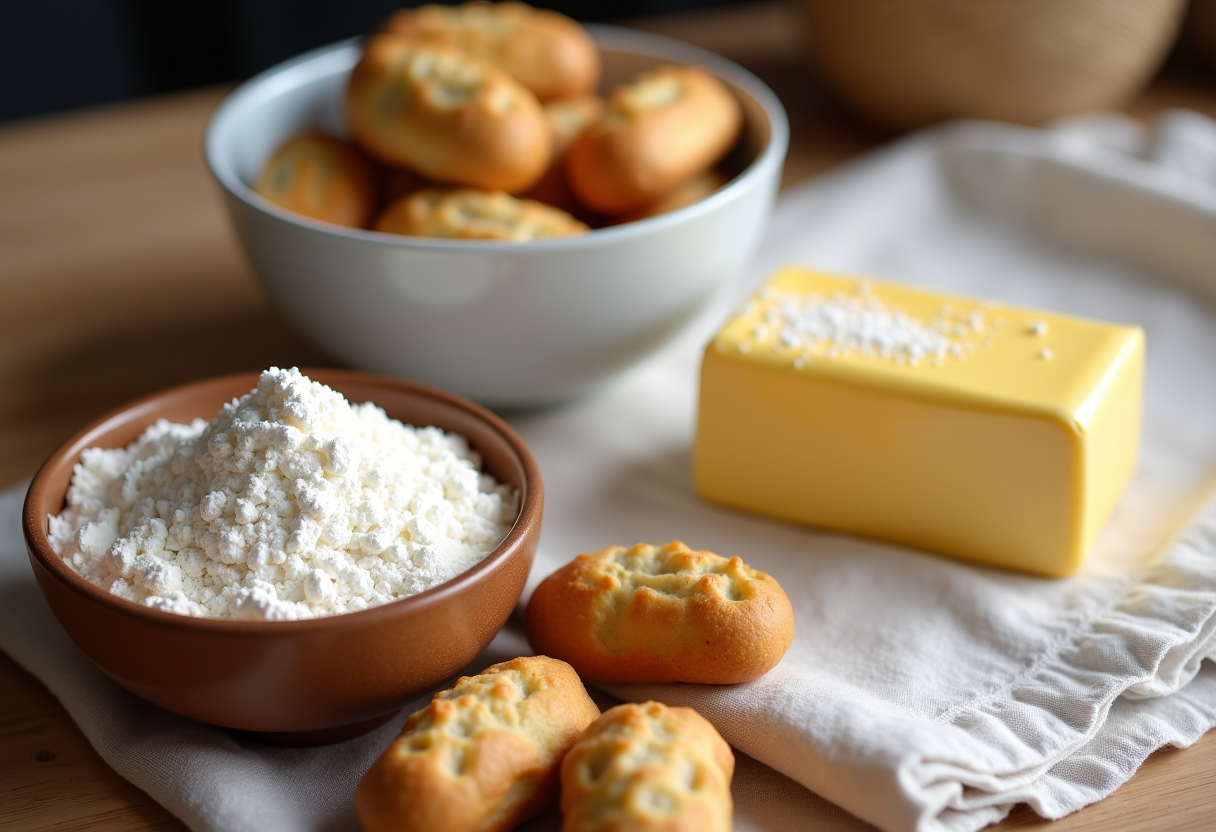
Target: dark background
63,54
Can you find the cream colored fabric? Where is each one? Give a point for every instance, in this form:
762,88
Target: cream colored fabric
920,693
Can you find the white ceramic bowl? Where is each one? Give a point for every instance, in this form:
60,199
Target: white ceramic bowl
506,324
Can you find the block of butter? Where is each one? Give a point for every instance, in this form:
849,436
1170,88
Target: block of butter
973,429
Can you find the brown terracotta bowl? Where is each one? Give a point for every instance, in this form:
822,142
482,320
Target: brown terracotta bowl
297,682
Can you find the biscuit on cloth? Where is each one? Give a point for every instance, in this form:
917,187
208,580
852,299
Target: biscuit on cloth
661,614
483,756
646,767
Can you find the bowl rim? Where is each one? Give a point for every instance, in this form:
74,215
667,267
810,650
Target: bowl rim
33,521
320,61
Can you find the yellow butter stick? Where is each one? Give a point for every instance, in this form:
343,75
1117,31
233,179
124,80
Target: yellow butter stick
979,430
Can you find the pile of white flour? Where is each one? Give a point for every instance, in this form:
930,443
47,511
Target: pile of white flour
291,503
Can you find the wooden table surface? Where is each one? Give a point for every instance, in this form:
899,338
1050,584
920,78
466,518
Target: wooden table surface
119,276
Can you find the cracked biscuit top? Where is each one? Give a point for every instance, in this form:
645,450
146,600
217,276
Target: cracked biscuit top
661,614
646,767
547,52
446,115
483,756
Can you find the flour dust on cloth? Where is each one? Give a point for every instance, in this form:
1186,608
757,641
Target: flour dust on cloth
920,693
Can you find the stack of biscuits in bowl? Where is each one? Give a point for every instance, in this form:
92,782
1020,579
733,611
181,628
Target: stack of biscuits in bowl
483,121
499,301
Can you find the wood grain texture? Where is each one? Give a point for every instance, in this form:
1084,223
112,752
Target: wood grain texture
119,275
51,778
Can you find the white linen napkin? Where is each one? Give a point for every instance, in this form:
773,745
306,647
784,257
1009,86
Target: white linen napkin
920,693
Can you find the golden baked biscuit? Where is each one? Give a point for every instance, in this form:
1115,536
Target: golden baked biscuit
321,177
475,215
567,117
694,190
659,131
648,767
661,614
447,115
545,51
482,756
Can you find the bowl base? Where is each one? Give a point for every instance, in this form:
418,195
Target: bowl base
321,736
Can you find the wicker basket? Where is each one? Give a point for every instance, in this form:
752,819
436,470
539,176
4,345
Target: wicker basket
906,63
